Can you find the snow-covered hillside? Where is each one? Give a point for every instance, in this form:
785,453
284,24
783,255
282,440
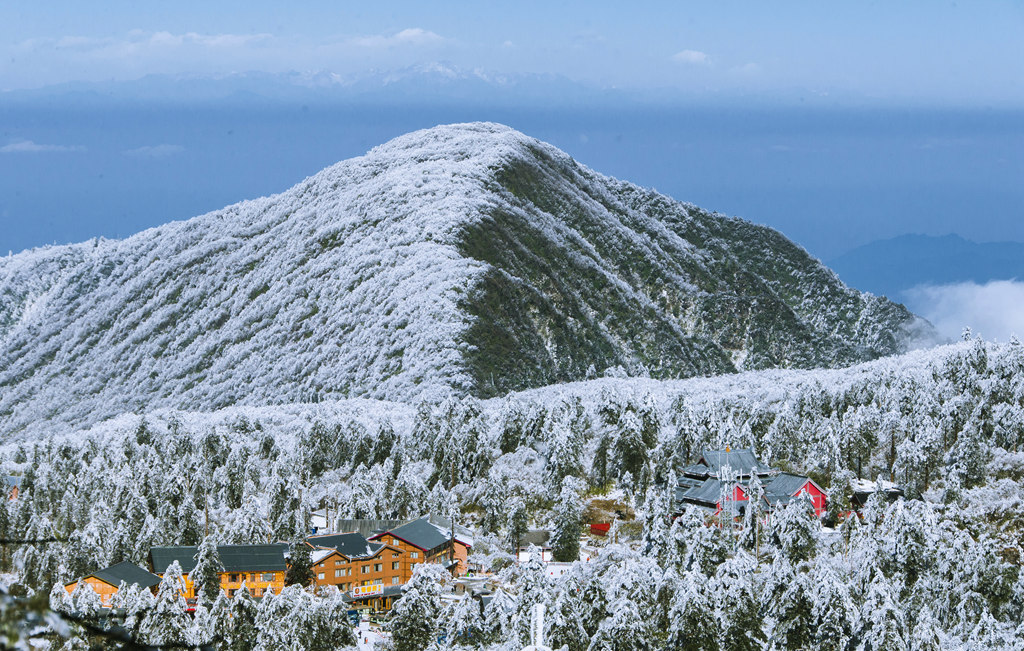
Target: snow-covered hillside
466,259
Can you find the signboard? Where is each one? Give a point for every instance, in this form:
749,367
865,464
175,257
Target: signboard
367,590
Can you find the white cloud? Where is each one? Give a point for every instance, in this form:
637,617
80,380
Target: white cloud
29,147
413,36
994,310
747,69
155,151
138,42
694,57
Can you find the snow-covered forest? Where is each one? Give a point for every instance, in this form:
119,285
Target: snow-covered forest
939,569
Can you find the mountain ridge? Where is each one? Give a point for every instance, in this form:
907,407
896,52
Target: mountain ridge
464,259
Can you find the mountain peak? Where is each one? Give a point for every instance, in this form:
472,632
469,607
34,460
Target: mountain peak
467,258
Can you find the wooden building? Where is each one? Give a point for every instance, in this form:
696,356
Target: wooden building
349,561
108,581
259,567
431,539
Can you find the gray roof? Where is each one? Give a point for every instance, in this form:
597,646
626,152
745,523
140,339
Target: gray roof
742,461
539,537
234,558
420,533
129,573
696,470
785,485
708,492
353,545
367,527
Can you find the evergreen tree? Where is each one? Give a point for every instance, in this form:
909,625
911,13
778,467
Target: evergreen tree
300,565
882,622
205,576
565,540
833,613
414,618
565,619
742,627
517,523
692,616
795,530
244,614
167,624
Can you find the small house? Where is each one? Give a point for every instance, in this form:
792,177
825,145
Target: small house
107,582
259,567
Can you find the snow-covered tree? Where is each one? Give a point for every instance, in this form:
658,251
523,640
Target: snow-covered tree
565,540
205,576
415,616
300,564
167,624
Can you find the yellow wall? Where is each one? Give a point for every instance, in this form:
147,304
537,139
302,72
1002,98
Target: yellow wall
103,589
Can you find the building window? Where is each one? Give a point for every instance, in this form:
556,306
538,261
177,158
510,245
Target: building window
394,565
414,554
394,580
320,576
268,577
338,573
394,554
378,567
233,578
366,569
252,577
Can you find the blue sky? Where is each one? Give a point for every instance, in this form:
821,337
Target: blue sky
894,51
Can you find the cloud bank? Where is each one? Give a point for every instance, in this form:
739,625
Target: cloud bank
29,147
994,310
692,57
155,151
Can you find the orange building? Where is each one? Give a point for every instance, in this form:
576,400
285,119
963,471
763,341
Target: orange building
107,582
348,560
259,567
429,540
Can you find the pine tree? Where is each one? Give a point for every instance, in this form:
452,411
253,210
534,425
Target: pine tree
692,616
244,613
882,622
517,523
205,576
167,623
414,618
833,611
795,530
565,540
565,619
742,627
300,565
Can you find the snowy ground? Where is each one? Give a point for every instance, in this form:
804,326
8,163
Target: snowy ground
369,637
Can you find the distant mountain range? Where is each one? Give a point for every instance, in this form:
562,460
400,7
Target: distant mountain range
465,259
890,267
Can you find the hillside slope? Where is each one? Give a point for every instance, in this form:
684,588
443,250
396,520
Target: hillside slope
466,259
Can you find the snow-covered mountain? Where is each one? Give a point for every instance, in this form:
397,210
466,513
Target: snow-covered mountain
467,259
